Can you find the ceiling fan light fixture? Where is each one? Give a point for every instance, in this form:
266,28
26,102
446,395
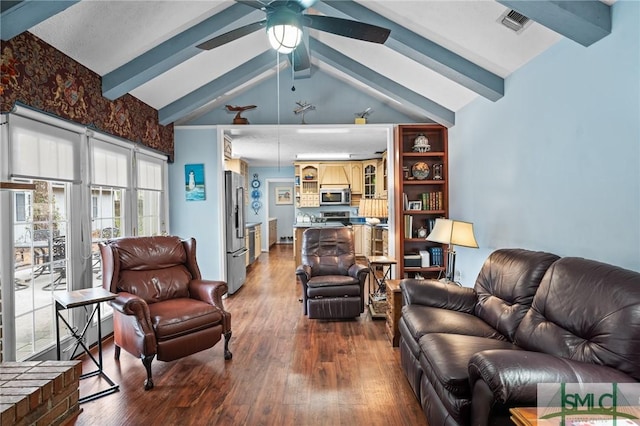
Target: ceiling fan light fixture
284,30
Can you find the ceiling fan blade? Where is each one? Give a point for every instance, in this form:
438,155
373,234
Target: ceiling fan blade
300,58
231,35
347,28
256,4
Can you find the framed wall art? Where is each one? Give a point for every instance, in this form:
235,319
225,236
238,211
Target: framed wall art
284,195
194,182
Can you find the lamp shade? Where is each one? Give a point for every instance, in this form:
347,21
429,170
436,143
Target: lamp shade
373,208
453,232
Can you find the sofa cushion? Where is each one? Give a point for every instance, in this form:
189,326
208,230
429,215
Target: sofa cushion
194,315
421,320
445,358
586,311
506,285
153,268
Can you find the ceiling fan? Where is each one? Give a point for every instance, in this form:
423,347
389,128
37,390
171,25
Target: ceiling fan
284,22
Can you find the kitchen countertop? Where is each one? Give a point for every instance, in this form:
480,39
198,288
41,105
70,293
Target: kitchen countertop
252,224
318,224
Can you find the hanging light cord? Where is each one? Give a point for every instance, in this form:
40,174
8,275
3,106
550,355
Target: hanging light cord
278,98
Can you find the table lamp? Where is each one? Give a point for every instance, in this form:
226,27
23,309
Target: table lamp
453,233
373,209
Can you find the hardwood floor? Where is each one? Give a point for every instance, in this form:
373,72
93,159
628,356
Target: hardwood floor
286,369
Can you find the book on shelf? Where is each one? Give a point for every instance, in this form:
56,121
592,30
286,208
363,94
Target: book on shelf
432,200
408,225
437,258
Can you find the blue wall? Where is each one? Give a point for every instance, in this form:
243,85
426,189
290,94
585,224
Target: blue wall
200,219
555,164
270,178
335,102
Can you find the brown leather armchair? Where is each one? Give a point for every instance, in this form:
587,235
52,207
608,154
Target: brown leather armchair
332,281
164,307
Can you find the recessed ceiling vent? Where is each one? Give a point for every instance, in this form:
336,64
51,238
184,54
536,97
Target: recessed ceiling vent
514,21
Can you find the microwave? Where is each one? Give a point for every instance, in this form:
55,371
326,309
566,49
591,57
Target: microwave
335,197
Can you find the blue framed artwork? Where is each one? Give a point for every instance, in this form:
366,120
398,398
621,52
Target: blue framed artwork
194,182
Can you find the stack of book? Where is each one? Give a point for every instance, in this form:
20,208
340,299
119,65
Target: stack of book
432,200
437,257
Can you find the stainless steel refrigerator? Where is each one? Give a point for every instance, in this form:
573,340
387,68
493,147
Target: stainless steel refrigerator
235,220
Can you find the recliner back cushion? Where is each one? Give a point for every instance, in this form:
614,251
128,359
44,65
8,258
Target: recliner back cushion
586,311
152,268
329,251
506,285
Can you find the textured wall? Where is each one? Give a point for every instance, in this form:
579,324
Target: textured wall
35,74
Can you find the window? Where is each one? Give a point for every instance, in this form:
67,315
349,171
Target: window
49,223
151,174
21,206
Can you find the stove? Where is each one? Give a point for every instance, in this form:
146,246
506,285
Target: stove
336,216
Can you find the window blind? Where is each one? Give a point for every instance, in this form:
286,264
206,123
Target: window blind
109,164
42,150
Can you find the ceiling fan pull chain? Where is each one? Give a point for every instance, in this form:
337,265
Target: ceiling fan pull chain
293,72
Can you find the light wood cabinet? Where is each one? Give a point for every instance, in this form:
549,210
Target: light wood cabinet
297,245
258,241
358,239
356,177
273,231
370,175
247,256
417,179
307,185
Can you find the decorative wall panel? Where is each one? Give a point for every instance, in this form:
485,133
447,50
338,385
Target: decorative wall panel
36,74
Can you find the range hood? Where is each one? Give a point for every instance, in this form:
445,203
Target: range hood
334,176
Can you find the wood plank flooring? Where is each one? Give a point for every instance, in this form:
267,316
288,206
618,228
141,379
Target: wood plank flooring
286,369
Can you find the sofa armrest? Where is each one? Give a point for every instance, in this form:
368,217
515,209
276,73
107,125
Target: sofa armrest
512,376
438,295
304,273
211,292
358,271
135,306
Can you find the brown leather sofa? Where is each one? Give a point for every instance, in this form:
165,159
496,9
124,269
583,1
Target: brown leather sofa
471,354
332,281
163,307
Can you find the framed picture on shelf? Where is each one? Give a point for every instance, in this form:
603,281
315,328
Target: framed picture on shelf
415,205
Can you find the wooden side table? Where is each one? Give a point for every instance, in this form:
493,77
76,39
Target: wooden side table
394,309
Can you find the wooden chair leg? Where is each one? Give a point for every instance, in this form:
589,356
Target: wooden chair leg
146,360
227,353
116,352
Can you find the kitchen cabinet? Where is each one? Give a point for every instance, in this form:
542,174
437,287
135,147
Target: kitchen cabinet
307,185
356,177
358,237
273,231
370,174
258,242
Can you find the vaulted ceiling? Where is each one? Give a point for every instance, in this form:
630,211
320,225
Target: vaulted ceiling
440,55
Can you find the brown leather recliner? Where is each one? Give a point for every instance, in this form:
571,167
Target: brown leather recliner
163,307
332,281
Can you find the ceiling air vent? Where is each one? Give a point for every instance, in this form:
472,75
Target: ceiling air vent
514,21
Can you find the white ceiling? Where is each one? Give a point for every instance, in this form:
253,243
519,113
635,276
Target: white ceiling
105,35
